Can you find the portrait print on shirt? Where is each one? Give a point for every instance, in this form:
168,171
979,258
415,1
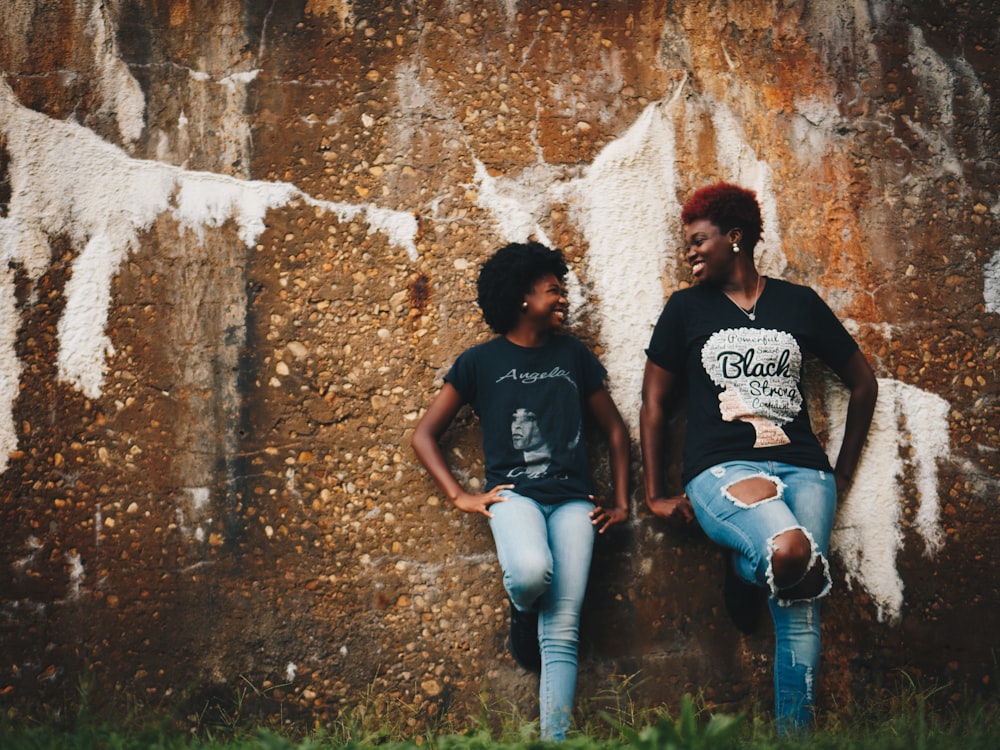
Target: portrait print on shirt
531,404
758,371
526,436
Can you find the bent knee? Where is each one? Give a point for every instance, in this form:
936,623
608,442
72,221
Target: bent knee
791,554
526,582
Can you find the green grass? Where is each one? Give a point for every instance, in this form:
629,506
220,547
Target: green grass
914,719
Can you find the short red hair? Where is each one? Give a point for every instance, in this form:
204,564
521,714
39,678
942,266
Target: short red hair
727,206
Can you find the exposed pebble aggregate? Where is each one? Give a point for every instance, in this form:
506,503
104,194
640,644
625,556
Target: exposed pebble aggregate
241,504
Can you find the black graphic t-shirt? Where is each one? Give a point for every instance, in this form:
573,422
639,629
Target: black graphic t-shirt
744,377
531,403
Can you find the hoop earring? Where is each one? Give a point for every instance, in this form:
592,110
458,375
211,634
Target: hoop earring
736,248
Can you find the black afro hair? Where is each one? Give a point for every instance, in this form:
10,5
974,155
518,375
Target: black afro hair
508,276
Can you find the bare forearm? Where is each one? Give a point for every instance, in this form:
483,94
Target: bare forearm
858,376
652,444
609,419
619,448
860,410
429,452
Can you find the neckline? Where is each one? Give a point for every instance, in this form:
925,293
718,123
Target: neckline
751,314
552,337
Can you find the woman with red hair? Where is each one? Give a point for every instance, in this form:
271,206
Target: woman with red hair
755,475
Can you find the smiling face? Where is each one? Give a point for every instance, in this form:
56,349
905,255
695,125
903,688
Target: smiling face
710,251
546,304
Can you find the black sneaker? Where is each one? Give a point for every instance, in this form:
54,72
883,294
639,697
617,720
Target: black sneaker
743,600
523,641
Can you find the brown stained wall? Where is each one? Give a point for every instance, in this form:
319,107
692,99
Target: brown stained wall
238,504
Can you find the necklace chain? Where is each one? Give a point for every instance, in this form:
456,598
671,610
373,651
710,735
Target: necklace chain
752,315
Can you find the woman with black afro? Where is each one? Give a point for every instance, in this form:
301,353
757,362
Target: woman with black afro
531,388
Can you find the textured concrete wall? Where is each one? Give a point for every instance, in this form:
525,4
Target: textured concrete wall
240,245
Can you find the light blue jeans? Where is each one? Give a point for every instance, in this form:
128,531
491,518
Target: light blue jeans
806,500
544,552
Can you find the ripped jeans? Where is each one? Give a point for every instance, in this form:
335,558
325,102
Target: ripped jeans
806,499
545,552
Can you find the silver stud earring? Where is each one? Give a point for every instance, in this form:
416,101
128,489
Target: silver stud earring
524,305
736,248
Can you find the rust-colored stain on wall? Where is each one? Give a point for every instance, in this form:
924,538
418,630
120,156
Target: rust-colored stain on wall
241,243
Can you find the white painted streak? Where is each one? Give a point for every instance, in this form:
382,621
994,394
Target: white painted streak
626,205
937,82
120,93
991,284
868,531
205,200
509,8
812,128
65,180
83,345
76,575
738,158
10,365
198,498
934,76
399,226
517,204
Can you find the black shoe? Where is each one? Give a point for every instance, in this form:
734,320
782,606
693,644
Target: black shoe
523,641
742,599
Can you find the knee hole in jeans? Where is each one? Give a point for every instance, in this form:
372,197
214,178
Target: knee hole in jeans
791,556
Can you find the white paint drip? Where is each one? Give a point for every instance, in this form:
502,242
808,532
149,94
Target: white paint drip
76,575
517,205
991,284
198,498
737,157
83,343
290,483
196,503
120,93
509,8
34,545
937,82
868,531
626,205
10,365
813,127
66,180
399,226
933,75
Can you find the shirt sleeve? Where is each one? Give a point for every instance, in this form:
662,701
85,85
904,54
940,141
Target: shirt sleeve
462,376
829,340
666,345
594,372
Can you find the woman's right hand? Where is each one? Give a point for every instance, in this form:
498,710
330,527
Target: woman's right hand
677,510
480,503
